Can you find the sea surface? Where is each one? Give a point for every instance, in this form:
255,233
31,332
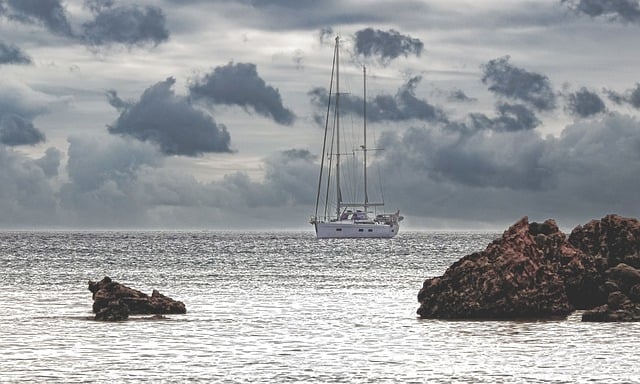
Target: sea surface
274,307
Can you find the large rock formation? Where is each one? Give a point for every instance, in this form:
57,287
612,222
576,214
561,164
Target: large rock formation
113,301
534,271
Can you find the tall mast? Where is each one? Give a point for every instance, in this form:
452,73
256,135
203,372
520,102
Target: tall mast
364,147
338,192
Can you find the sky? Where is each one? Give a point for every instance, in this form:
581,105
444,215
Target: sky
205,114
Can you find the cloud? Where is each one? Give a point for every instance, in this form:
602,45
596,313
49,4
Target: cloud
624,10
11,54
312,14
292,175
511,118
105,187
402,106
51,13
585,103
480,159
169,121
291,178
326,35
385,45
15,130
631,96
457,95
516,83
97,6
239,84
130,25
122,182
19,105
50,162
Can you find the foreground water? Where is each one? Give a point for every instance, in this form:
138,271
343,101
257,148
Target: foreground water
275,307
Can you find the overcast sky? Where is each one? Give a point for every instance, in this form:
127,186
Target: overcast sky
204,113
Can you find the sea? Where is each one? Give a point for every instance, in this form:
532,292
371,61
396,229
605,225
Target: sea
275,307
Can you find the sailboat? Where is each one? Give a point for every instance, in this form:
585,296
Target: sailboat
346,219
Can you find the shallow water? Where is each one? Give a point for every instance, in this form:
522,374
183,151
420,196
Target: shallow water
275,307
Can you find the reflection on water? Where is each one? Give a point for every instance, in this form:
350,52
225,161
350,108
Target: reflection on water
276,307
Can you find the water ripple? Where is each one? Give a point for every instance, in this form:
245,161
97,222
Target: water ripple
275,307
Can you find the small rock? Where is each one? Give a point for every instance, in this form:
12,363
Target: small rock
113,301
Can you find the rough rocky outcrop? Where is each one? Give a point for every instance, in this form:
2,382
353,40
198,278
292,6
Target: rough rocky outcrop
113,301
535,271
614,245
623,298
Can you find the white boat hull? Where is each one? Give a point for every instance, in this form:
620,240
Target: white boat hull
350,229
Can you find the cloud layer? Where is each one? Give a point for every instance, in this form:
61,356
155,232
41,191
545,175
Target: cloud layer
522,111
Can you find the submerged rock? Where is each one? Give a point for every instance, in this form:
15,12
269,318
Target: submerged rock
535,271
113,301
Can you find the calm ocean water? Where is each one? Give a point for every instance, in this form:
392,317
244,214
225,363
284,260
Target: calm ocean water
275,307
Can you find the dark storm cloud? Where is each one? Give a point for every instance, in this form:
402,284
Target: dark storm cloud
11,54
16,130
631,96
585,103
385,45
623,10
511,118
239,84
51,13
516,83
129,25
404,105
169,121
